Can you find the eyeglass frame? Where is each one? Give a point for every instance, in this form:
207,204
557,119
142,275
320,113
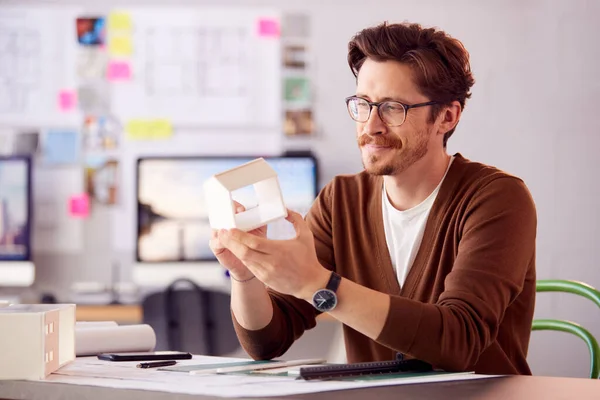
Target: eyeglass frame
378,103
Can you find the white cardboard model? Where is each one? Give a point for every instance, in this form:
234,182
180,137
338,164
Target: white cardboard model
221,208
35,339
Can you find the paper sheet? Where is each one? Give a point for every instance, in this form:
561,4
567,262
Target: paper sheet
190,62
54,231
104,339
93,372
37,65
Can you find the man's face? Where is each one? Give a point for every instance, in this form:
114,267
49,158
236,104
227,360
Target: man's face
388,150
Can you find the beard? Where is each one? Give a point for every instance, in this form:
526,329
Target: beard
376,165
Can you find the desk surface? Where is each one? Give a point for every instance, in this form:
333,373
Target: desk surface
513,387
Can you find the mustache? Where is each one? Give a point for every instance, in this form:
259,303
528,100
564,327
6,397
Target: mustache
385,141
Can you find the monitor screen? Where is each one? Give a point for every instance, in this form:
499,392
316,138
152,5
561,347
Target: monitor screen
15,208
172,214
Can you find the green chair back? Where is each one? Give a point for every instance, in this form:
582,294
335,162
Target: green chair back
580,289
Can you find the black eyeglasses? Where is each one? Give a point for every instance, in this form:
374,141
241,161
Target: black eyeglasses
392,113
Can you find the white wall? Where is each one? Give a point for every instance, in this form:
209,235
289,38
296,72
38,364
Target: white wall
534,113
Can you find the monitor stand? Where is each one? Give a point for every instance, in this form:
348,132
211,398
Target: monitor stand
17,273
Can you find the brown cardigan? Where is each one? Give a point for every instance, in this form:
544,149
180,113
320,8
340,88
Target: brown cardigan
468,300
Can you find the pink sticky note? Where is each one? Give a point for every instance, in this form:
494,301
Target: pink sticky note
67,100
268,27
79,206
118,71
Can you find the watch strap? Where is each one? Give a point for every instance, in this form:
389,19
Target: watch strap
334,282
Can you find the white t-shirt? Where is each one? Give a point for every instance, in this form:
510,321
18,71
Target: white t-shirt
404,230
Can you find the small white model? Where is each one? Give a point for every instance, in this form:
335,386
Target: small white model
221,208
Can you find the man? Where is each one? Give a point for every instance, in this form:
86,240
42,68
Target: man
424,254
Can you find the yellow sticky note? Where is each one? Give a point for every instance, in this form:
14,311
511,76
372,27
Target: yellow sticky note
161,128
119,21
120,45
147,129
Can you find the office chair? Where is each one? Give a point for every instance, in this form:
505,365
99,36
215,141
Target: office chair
186,317
580,289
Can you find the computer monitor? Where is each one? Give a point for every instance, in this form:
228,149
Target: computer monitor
16,266
172,219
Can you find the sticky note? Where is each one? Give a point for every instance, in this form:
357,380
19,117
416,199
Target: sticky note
118,71
148,129
119,21
120,45
60,146
268,27
79,206
67,100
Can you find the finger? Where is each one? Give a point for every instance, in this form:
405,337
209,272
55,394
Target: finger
298,221
261,230
216,247
215,244
242,251
239,208
250,240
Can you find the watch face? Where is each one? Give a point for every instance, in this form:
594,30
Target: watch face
324,300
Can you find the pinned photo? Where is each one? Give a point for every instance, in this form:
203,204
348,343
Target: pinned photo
91,62
91,31
93,98
294,56
297,89
298,122
101,179
100,132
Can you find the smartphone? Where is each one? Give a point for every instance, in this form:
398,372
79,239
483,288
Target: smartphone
145,356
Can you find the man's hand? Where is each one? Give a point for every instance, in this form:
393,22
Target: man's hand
287,266
226,258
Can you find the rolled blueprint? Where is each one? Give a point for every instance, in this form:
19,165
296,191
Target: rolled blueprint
90,341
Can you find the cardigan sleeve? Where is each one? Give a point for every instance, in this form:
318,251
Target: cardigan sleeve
495,251
292,316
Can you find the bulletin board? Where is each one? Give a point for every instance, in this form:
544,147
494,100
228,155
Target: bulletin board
196,66
107,86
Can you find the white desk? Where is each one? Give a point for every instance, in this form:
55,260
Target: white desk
89,378
514,388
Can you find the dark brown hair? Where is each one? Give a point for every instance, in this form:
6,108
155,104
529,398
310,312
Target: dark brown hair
439,62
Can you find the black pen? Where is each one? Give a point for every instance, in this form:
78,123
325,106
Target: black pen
155,364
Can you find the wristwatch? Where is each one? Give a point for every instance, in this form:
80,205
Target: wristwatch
325,300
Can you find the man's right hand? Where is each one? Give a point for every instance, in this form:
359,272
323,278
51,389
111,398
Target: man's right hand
236,268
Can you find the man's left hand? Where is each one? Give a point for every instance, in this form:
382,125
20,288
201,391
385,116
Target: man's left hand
287,266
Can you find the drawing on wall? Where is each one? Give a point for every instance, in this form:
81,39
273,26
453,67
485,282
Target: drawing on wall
91,31
20,67
101,179
213,65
